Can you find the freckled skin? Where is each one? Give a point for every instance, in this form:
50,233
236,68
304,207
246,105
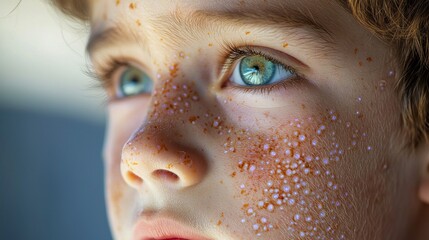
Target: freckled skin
313,161
299,183
132,6
300,163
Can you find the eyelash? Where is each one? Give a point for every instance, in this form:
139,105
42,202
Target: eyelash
230,52
233,54
104,74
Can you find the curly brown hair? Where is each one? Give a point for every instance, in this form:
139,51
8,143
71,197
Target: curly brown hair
403,24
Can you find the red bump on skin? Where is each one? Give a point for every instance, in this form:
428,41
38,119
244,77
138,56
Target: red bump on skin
369,59
355,51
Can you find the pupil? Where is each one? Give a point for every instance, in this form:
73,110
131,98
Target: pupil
135,79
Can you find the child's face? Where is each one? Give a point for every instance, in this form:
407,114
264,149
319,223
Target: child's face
223,138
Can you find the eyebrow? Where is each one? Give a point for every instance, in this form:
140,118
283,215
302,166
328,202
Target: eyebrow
195,23
118,33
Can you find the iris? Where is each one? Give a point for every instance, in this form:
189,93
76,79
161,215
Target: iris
133,82
257,70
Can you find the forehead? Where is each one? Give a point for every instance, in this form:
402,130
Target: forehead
166,5
320,18
309,9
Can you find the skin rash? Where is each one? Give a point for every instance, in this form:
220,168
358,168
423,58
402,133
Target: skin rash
313,159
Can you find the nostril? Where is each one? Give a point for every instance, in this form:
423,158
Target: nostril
133,178
165,176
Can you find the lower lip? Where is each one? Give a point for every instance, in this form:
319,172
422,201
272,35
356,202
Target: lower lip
174,239
164,238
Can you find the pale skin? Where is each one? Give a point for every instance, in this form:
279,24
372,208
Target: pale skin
316,158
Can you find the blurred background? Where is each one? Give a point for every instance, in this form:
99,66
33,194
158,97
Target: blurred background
51,128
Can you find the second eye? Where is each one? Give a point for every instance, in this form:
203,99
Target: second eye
257,70
133,82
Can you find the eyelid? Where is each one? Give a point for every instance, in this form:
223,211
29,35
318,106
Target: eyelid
233,54
102,72
236,53
108,72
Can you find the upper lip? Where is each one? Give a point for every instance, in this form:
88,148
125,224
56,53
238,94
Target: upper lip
157,227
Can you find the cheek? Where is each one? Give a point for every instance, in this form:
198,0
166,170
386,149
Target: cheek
123,121
287,177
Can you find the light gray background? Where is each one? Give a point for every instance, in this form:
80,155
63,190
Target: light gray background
51,129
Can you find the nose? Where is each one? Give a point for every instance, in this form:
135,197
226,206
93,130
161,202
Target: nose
155,156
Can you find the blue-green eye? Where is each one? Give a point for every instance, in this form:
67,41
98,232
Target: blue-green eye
257,70
133,82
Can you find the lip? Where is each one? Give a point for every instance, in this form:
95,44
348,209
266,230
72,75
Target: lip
150,227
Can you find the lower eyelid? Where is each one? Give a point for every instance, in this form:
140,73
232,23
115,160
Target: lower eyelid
266,89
